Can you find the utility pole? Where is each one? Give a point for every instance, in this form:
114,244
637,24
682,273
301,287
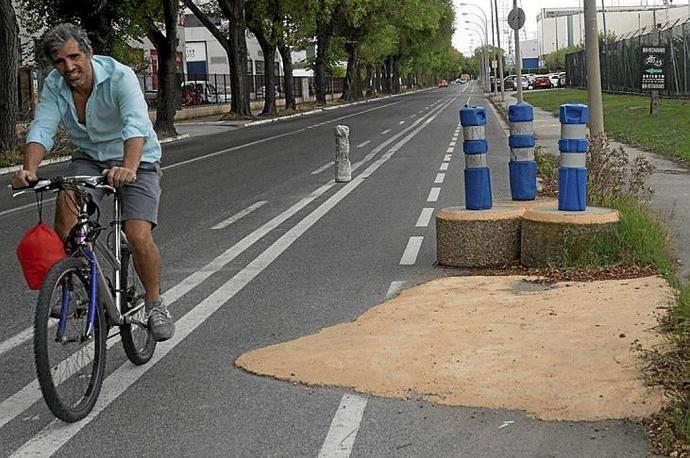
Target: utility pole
493,45
500,53
596,105
518,60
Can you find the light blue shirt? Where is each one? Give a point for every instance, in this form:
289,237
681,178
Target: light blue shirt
115,112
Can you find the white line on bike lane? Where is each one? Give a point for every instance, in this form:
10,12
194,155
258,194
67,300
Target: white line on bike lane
23,399
240,215
57,433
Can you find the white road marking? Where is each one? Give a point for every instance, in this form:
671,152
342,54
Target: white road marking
468,100
454,139
409,257
24,207
447,157
240,215
444,166
433,194
385,132
322,168
57,433
363,144
450,150
439,178
16,340
344,427
401,122
394,289
424,217
451,143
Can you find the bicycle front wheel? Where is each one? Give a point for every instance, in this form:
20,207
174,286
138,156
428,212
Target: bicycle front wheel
70,367
137,340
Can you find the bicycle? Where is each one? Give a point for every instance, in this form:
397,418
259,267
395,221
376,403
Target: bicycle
82,304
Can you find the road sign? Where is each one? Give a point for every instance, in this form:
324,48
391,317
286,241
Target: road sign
516,18
654,67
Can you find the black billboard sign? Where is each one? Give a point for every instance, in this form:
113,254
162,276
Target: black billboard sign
654,67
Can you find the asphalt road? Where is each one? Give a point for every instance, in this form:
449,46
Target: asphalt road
308,253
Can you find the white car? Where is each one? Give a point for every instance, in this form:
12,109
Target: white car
555,79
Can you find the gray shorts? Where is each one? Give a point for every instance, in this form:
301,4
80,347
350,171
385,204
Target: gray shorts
139,200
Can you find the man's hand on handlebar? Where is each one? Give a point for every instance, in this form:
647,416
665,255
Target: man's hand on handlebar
23,178
120,176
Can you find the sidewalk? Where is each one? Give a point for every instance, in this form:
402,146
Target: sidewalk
670,181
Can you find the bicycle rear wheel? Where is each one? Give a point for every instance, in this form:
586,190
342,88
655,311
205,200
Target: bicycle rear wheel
70,370
137,340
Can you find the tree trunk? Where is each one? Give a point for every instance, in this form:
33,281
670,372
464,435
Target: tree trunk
166,45
9,92
288,83
395,74
234,11
269,78
324,32
352,87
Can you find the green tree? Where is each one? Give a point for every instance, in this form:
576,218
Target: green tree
556,60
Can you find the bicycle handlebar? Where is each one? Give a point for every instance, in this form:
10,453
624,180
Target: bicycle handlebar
60,182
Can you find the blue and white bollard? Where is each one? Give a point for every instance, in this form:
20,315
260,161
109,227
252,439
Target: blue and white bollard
523,167
572,173
475,146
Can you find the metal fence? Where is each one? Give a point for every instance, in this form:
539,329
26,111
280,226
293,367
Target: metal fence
621,61
214,88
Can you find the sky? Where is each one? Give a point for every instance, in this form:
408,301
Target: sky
462,40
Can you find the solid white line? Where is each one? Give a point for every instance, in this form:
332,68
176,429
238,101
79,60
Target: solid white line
57,433
240,215
424,217
433,194
451,143
409,256
468,100
447,157
385,132
363,144
24,207
322,168
17,339
450,150
439,178
344,427
444,166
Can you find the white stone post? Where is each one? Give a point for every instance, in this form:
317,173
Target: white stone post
343,172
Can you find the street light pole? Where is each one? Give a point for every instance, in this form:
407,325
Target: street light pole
500,54
483,65
596,105
486,52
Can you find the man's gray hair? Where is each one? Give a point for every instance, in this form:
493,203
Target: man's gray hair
56,37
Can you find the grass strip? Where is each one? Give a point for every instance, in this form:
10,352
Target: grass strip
627,119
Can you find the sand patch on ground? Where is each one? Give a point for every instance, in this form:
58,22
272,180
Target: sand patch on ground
558,352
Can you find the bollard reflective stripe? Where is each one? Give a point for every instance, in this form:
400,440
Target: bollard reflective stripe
574,160
475,161
521,128
522,154
473,133
573,131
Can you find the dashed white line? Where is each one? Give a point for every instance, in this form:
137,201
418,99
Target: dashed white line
322,168
433,194
424,217
363,144
409,257
444,166
401,122
385,132
344,427
240,215
394,289
450,150
447,157
451,144
439,178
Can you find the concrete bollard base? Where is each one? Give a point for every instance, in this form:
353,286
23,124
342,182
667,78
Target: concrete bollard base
549,235
478,238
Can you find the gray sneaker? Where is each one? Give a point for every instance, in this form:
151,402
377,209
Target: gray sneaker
160,322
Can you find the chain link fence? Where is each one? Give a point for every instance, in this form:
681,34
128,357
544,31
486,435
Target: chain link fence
621,66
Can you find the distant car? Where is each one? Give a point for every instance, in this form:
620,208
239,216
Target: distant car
443,83
555,79
561,79
542,82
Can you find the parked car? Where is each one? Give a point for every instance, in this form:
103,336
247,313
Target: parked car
561,79
509,83
542,82
443,83
555,79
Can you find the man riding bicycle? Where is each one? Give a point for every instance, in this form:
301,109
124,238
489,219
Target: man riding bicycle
100,104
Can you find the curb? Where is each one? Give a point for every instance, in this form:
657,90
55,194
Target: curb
57,160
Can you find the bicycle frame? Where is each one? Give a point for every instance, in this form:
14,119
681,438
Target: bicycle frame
97,280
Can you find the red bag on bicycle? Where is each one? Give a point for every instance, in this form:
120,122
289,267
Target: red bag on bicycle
38,251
